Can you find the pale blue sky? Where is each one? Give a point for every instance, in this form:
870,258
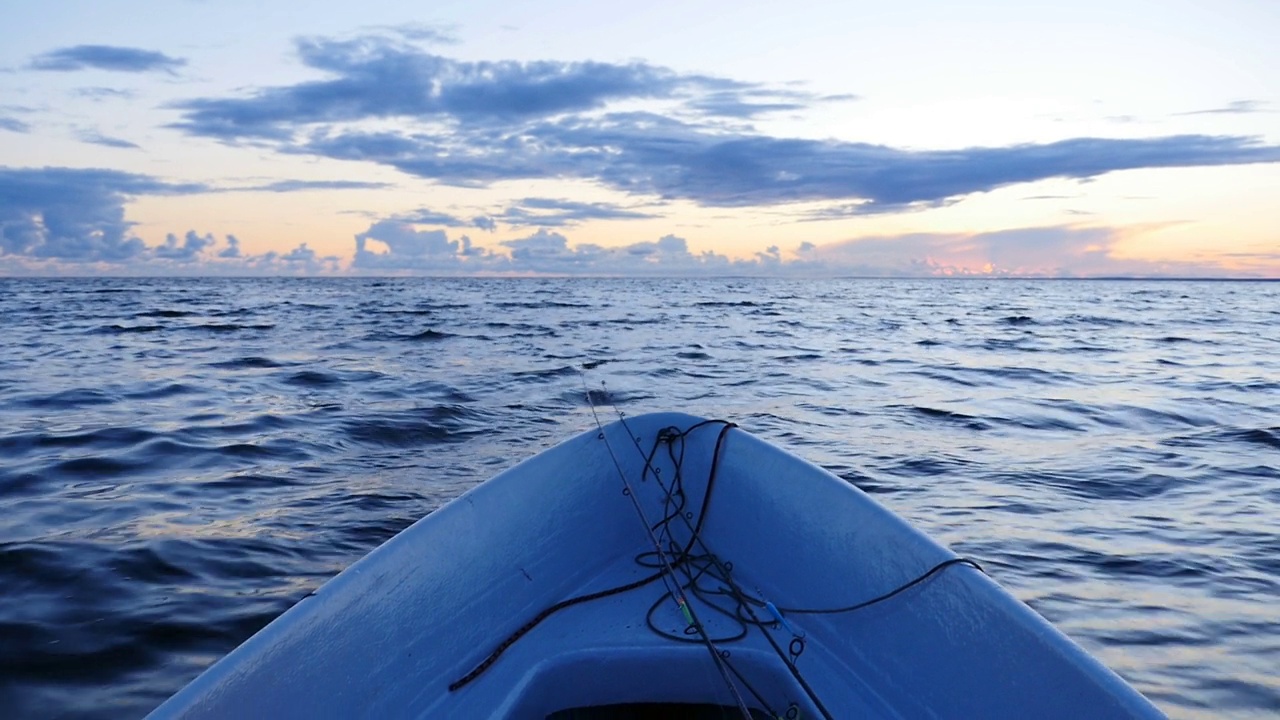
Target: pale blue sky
1142,137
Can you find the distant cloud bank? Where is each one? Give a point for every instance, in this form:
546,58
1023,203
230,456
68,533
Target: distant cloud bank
72,221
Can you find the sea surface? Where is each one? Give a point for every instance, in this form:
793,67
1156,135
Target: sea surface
182,460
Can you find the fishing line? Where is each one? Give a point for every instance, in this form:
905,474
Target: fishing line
695,538
687,609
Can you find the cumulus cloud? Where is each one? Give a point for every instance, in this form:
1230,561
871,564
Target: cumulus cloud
187,250
394,247
472,124
72,221
429,251
232,250
106,57
73,214
544,252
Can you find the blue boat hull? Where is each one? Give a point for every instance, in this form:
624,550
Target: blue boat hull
436,622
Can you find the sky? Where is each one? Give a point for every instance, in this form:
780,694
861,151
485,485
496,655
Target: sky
807,138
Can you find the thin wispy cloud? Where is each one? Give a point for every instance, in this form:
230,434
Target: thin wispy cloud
553,212
106,57
287,186
1238,107
418,32
94,138
73,214
432,217
104,93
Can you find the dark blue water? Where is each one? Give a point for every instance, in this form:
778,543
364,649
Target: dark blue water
182,460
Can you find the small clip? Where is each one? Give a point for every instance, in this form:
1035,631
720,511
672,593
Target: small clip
688,616
773,610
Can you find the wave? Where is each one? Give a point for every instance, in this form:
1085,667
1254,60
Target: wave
251,362
428,335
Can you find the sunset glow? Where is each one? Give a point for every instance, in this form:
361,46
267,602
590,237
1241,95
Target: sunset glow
1130,138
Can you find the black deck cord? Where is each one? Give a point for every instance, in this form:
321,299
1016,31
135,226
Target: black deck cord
696,538
523,630
881,598
720,660
724,574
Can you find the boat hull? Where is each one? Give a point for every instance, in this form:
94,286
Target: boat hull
390,635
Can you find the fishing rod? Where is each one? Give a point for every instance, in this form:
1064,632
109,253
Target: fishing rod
682,602
724,572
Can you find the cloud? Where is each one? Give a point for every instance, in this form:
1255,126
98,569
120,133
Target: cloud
395,247
73,214
431,251
644,154
193,254
551,212
742,170
424,216
867,207
1238,107
472,124
748,103
545,252
72,221
284,186
421,32
14,125
380,77
188,250
106,57
528,212
99,139
1051,251
232,250
104,93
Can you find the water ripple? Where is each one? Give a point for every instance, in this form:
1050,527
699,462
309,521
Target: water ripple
180,461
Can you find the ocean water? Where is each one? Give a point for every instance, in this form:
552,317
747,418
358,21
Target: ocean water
182,460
